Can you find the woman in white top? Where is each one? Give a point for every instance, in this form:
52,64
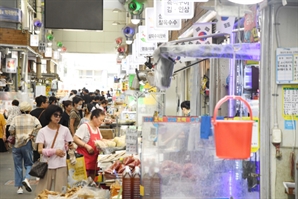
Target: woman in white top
85,138
56,176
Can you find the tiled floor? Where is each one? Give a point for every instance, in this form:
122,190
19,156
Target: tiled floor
7,189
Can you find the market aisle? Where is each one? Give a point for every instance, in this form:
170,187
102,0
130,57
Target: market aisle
7,189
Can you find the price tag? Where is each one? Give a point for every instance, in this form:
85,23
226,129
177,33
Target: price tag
132,140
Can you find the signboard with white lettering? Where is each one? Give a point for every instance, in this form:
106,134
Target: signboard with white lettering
34,40
178,9
10,14
287,65
56,55
161,22
48,52
153,34
131,140
144,48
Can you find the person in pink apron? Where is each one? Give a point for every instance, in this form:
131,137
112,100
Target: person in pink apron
85,138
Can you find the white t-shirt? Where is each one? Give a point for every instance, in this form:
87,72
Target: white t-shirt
84,134
46,136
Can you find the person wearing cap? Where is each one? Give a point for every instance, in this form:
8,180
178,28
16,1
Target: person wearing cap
24,128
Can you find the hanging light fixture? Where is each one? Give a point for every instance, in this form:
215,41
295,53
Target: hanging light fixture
135,7
37,25
50,38
246,2
59,46
129,32
118,41
135,18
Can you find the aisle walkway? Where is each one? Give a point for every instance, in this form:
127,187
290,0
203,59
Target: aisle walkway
7,189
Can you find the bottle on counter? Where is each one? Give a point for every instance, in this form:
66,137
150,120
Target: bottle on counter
146,182
136,181
126,184
156,185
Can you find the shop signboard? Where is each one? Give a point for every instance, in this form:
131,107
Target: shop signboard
13,15
48,52
136,60
287,65
178,9
56,54
144,48
153,34
162,23
34,40
202,29
10,65
132,140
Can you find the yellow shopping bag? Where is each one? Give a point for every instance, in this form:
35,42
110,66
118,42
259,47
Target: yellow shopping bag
76,172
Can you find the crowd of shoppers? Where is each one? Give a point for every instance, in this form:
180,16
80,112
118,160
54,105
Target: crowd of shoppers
35,130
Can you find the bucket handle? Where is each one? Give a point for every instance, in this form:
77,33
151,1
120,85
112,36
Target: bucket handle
226,98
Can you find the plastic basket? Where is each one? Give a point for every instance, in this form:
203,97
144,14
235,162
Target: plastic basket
232,138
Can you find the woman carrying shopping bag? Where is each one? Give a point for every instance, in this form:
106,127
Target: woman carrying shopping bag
53,150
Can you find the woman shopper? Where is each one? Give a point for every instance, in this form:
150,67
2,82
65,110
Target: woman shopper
87,113
41,103
74,116
56,176
67,106
23,127
85,138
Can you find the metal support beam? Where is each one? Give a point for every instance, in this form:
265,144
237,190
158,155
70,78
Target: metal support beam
265,104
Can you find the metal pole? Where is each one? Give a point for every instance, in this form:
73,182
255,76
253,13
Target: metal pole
212,86
232,82
199,96
194,91
265,105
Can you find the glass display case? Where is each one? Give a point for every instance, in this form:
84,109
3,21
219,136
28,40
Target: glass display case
188,165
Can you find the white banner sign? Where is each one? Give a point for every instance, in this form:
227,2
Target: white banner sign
48,52
34,40
225,24
154,35
178,9
161,22
144,48
202,29
56,55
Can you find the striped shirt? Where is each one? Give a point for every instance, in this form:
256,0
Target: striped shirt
22,127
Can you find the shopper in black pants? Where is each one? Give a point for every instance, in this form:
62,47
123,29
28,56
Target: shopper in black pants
42,103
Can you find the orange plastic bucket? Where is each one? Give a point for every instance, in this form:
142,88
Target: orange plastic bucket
232,138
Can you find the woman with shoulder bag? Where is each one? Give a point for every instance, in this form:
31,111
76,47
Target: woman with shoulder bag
24,128
52,143
85,138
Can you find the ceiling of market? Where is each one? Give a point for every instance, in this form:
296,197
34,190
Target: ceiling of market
95,41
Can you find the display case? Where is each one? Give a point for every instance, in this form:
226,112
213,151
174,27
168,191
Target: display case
188,165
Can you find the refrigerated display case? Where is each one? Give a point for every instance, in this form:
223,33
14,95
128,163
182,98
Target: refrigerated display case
188,165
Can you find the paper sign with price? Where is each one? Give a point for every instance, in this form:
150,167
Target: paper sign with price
132,140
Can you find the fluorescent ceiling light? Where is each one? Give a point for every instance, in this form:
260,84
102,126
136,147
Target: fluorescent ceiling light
246,2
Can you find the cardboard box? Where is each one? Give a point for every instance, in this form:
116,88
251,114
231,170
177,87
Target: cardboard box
107,133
